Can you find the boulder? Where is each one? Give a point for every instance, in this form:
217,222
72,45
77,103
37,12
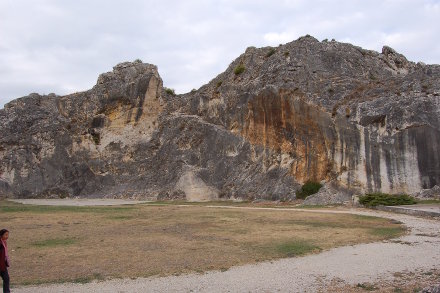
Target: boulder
432,193
328,195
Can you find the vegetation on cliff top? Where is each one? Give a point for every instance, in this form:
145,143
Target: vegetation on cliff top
170,91
239,69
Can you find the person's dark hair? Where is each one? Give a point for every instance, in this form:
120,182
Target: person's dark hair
3,231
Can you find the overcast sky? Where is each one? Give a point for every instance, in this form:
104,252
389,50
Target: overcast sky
62,46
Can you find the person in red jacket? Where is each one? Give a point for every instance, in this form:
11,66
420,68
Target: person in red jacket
4,259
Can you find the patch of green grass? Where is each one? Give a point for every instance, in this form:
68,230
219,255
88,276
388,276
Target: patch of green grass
320,224
120,217
372,76
371,218
88,279
79,280
428,201
54,242
206,203
295,248
270,53
39,282
239,69
375,199
309,188
388,232
360,223
96,137
367,286
11,207
240,231
313,206
170,91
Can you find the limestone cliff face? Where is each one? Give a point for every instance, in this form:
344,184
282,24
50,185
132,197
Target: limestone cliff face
331,111
364,120
77,144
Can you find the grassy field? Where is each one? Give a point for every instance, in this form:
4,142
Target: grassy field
429,201
59,244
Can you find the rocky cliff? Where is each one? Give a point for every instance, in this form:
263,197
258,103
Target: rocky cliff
307,110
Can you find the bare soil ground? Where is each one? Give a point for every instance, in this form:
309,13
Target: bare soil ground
53,244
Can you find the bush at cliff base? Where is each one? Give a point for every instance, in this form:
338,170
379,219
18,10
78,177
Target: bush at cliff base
309,188
375,199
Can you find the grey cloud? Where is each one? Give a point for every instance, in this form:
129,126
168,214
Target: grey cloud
62,46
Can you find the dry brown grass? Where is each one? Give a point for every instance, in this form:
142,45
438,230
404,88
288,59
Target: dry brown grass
57,244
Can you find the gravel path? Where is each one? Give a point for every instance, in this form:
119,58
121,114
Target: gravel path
417,251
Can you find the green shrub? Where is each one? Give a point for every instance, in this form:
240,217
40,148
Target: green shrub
170,91
271,52
219,84
96,138
367,286
138,61
309,188
375,199
239,69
